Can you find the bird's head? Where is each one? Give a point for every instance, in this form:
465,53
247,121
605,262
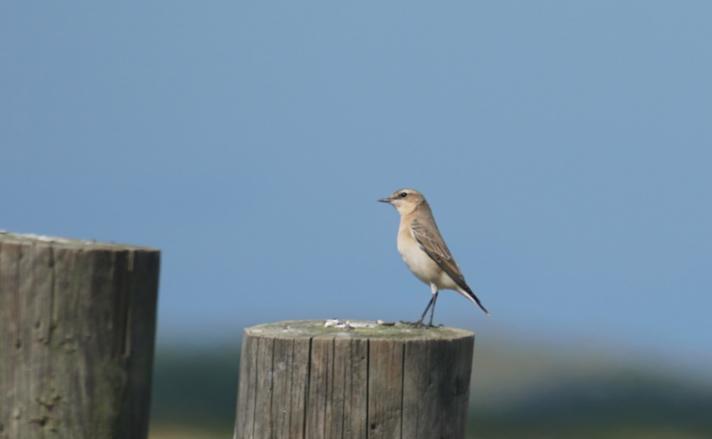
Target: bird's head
404,200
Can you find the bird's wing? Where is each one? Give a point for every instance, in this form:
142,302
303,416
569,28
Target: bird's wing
430,241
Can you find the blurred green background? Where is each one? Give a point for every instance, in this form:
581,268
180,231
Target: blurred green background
520,389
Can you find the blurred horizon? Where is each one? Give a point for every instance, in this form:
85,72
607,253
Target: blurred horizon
517,390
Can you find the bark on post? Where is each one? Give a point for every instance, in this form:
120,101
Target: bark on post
302,380
77,326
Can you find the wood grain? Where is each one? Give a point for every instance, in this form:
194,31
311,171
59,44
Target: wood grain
299,379
77,325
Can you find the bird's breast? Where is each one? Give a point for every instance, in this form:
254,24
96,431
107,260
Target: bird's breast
422,266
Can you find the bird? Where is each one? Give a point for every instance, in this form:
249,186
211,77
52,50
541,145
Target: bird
424,251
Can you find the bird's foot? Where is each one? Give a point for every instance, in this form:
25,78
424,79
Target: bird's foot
431,325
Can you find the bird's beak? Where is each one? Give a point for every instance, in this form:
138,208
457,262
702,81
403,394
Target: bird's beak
385,200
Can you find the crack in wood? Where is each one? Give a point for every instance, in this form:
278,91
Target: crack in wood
355,386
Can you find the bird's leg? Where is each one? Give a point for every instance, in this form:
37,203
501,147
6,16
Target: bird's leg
433,299
432,310
422,317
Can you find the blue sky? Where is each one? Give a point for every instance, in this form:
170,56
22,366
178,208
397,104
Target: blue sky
564,146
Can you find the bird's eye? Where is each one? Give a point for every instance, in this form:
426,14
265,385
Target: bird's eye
403,194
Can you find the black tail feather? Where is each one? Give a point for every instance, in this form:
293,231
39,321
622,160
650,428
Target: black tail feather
473,297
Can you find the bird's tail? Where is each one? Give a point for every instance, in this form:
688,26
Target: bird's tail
472,297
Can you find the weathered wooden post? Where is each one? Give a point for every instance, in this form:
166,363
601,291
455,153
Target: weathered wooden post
302,380
77,325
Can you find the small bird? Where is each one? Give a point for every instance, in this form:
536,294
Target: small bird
424,251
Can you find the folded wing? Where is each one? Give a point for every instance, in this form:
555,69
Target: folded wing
430,241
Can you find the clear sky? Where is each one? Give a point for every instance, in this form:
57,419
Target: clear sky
565,147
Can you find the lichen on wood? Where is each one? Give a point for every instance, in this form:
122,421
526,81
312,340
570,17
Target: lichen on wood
305,380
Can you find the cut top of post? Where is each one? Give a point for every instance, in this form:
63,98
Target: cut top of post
292,329
32,239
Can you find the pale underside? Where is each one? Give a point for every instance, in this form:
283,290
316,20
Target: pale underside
421,264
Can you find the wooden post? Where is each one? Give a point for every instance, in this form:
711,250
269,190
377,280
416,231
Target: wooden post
77,325
302,380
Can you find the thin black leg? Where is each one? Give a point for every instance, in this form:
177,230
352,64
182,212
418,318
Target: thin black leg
422,317
432,310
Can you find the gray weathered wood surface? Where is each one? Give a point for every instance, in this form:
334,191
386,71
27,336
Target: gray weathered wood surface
77,325
300,380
